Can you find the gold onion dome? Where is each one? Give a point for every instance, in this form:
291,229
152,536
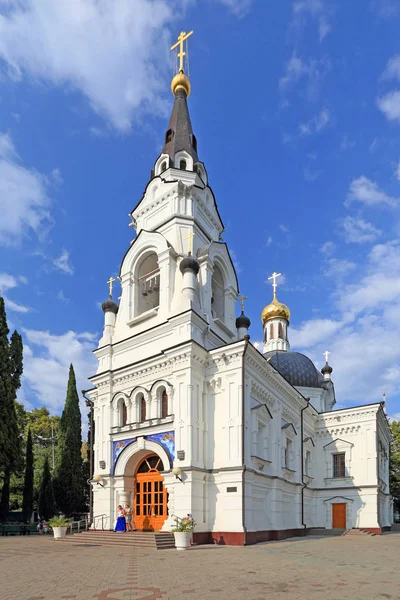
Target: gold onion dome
180,82
274,310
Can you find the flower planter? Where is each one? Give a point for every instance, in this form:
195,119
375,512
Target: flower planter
182,539
59,532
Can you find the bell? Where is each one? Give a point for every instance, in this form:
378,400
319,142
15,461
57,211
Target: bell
150,289
144,292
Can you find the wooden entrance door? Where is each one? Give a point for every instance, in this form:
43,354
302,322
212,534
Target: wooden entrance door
339,516
150,507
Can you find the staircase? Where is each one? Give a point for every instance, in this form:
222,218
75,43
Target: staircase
358,532
325,532
135,539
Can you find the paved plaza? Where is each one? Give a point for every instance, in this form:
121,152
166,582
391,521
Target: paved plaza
356,567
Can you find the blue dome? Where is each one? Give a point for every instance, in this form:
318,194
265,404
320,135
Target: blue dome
296,368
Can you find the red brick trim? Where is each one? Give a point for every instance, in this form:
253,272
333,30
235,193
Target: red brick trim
233,538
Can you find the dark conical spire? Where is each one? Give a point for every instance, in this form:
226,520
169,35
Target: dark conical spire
180,134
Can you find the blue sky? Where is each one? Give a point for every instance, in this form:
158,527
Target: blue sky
296,108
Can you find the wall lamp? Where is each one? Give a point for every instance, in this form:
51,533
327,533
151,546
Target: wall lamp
177,471
98,479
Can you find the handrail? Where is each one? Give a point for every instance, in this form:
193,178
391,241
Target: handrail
77,525
102,520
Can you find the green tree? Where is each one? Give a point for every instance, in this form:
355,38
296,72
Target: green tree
44,428
27,502
10,381
46,495
70,482
394,464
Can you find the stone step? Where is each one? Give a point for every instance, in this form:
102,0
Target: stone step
323,531
359,532
140,539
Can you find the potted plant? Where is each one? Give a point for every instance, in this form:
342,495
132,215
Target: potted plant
183,532
59,526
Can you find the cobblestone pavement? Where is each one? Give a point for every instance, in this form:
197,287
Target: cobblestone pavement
356,567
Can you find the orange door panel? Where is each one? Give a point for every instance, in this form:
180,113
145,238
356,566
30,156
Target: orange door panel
150,506
339,516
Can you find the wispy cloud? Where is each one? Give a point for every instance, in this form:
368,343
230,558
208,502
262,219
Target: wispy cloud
317,10
367,192
24,203
311,72
358,231
62,263
316,124
8,282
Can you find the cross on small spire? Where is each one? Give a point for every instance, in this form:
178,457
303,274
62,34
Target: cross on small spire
183,36
110,284
189,238
274,277
241,299
326,354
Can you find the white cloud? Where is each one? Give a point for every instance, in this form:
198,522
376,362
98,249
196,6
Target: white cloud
339,268
358,231
389,104
316,124
317,10
397,171
8,282
238,7
364,329
46,362
346,144
392,70
328,248
386,8
62,263
23,197
311,71
368,192
269,240
62,297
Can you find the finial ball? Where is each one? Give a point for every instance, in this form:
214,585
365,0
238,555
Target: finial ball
180,82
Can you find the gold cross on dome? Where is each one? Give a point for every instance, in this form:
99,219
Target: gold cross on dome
241,299
274,277
189,238
326,354
181,38
110,284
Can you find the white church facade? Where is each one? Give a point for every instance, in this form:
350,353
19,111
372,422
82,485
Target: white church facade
189,416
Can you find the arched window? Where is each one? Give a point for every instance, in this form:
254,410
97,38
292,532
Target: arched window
149,284
168,136
280,331
142,409
218,294
124,414
164,404
271,332
182,165
163,166
194,142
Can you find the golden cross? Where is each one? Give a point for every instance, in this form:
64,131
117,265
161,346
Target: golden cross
274,277
241,299
110,283
189,238
181,38
326,354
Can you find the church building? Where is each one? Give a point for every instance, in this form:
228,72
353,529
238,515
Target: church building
189,416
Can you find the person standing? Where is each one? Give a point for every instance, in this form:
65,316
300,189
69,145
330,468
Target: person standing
120,525
128,517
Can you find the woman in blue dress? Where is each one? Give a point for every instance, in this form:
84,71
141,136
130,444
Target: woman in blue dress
120,525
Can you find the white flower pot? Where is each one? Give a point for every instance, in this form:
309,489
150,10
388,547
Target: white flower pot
182,539
59,532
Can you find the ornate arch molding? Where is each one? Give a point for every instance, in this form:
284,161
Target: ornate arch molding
134,452
139,389
115,400
145,243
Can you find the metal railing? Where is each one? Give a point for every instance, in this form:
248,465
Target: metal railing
102,521
78,526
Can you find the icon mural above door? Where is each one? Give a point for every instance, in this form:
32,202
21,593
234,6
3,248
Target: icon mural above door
150,505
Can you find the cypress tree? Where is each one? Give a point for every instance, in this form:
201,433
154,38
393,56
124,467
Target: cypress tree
46,494
10,382
27,501
70,483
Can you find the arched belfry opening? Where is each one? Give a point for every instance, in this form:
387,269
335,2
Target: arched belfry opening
218,294
149,283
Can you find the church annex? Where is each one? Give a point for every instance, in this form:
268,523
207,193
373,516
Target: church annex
189,416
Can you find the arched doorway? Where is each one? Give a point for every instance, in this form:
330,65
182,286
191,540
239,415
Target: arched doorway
150,506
